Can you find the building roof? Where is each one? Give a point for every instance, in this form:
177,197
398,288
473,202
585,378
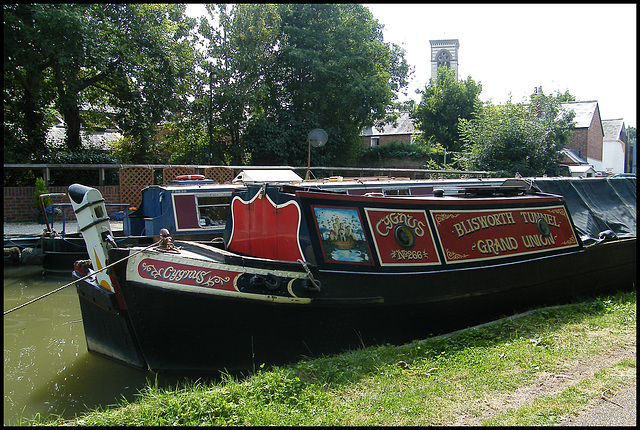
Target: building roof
94,139
585,112
571,155
403,125
613,129
582,168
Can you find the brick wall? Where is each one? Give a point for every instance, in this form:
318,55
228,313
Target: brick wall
579,142
19,202
595,138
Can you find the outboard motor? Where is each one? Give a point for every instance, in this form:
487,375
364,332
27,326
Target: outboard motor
93,223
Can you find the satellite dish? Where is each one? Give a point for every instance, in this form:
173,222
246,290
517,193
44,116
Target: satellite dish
317,137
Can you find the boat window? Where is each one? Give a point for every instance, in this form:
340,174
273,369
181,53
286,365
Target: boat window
212,211
396,192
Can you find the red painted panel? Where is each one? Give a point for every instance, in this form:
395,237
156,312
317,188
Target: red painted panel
473,235
402,237
186,274
184,206
263,229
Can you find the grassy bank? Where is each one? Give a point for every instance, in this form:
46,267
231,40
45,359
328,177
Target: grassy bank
537,369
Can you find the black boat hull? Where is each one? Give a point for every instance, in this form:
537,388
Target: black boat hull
188,331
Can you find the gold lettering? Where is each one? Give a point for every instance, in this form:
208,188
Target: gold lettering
386,224
481,247
537,241
497,245
472,225
459,229
532,217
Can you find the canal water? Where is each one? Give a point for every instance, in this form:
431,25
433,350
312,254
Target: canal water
47,369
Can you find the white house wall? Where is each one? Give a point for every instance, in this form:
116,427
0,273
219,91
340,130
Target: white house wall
597,164
613,157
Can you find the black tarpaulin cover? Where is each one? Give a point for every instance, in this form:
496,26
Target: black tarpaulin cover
597,204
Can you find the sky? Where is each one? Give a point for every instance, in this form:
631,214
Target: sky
588,49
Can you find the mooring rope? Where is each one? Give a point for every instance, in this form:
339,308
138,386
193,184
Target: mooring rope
84,277
316,284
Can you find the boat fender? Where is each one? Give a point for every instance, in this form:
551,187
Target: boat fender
12,255
256,281
189,177
32,256
438,192
272,282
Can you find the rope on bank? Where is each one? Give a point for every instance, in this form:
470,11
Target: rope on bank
83,278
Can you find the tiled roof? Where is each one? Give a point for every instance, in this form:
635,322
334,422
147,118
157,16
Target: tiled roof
575,158
403,125
612,129
584,112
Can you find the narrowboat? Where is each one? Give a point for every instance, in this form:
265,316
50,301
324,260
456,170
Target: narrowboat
194,208
303,272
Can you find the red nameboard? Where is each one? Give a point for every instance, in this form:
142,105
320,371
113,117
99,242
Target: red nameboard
473,235
402,237
185,274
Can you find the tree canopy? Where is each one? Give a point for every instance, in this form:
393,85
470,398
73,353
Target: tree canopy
332,70
517,138
444,103
132,58
246,84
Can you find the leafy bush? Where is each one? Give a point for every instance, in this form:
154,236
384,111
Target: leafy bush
41,189
85,156
431,156
394,150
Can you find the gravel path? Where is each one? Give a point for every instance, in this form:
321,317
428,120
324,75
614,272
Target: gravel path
34,229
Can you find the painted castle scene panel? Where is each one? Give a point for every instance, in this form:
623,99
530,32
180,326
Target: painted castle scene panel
341,235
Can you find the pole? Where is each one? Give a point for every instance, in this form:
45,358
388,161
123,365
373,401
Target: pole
308,158
210,117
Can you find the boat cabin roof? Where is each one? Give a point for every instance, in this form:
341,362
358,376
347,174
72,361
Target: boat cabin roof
267,175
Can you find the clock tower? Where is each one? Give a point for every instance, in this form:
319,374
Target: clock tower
444,53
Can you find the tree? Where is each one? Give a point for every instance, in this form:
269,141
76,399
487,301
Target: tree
145,68
134,58
31,32
241,50
517,138
563,97
444,103
332,71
